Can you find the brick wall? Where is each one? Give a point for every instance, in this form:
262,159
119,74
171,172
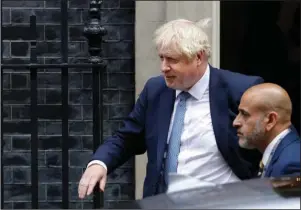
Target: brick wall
118,49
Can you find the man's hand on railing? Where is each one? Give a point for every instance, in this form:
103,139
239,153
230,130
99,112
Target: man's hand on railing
93,174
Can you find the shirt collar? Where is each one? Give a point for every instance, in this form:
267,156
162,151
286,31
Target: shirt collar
199,88
271,145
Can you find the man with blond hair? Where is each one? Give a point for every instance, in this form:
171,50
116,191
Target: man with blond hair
264,123
182,119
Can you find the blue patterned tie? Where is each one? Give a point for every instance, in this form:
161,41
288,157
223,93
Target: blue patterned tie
171,163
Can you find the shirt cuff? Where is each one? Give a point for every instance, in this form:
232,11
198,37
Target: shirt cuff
98,162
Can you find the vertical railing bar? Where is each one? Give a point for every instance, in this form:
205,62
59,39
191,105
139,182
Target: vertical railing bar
93,31
1,126
97,117
34,117
2,145
64,83
95,44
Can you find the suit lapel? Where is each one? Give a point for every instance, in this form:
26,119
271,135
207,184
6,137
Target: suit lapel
288,139
166,104
219,110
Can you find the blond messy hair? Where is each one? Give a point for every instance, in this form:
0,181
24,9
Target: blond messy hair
184,36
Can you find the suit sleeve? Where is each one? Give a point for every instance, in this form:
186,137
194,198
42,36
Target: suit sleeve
288,163
128,140
257,81
292,169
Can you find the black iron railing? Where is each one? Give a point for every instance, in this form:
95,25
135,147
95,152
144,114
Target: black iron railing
93,31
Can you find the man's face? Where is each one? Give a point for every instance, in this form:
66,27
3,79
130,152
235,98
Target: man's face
179,72
250,124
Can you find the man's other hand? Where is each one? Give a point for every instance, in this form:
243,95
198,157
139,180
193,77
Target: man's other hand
93,174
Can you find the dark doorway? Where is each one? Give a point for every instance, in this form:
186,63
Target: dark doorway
263,38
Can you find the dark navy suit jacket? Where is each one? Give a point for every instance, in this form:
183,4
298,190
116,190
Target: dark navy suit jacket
146,127
286,159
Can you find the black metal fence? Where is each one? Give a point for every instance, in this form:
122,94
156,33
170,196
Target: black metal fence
93,31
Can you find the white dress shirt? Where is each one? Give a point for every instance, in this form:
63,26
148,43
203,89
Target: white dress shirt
272,144
199,156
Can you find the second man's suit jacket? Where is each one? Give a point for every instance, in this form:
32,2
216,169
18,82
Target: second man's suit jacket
286,159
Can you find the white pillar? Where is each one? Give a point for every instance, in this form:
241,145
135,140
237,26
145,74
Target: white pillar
149,16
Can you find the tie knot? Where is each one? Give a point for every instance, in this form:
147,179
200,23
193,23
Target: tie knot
184,96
